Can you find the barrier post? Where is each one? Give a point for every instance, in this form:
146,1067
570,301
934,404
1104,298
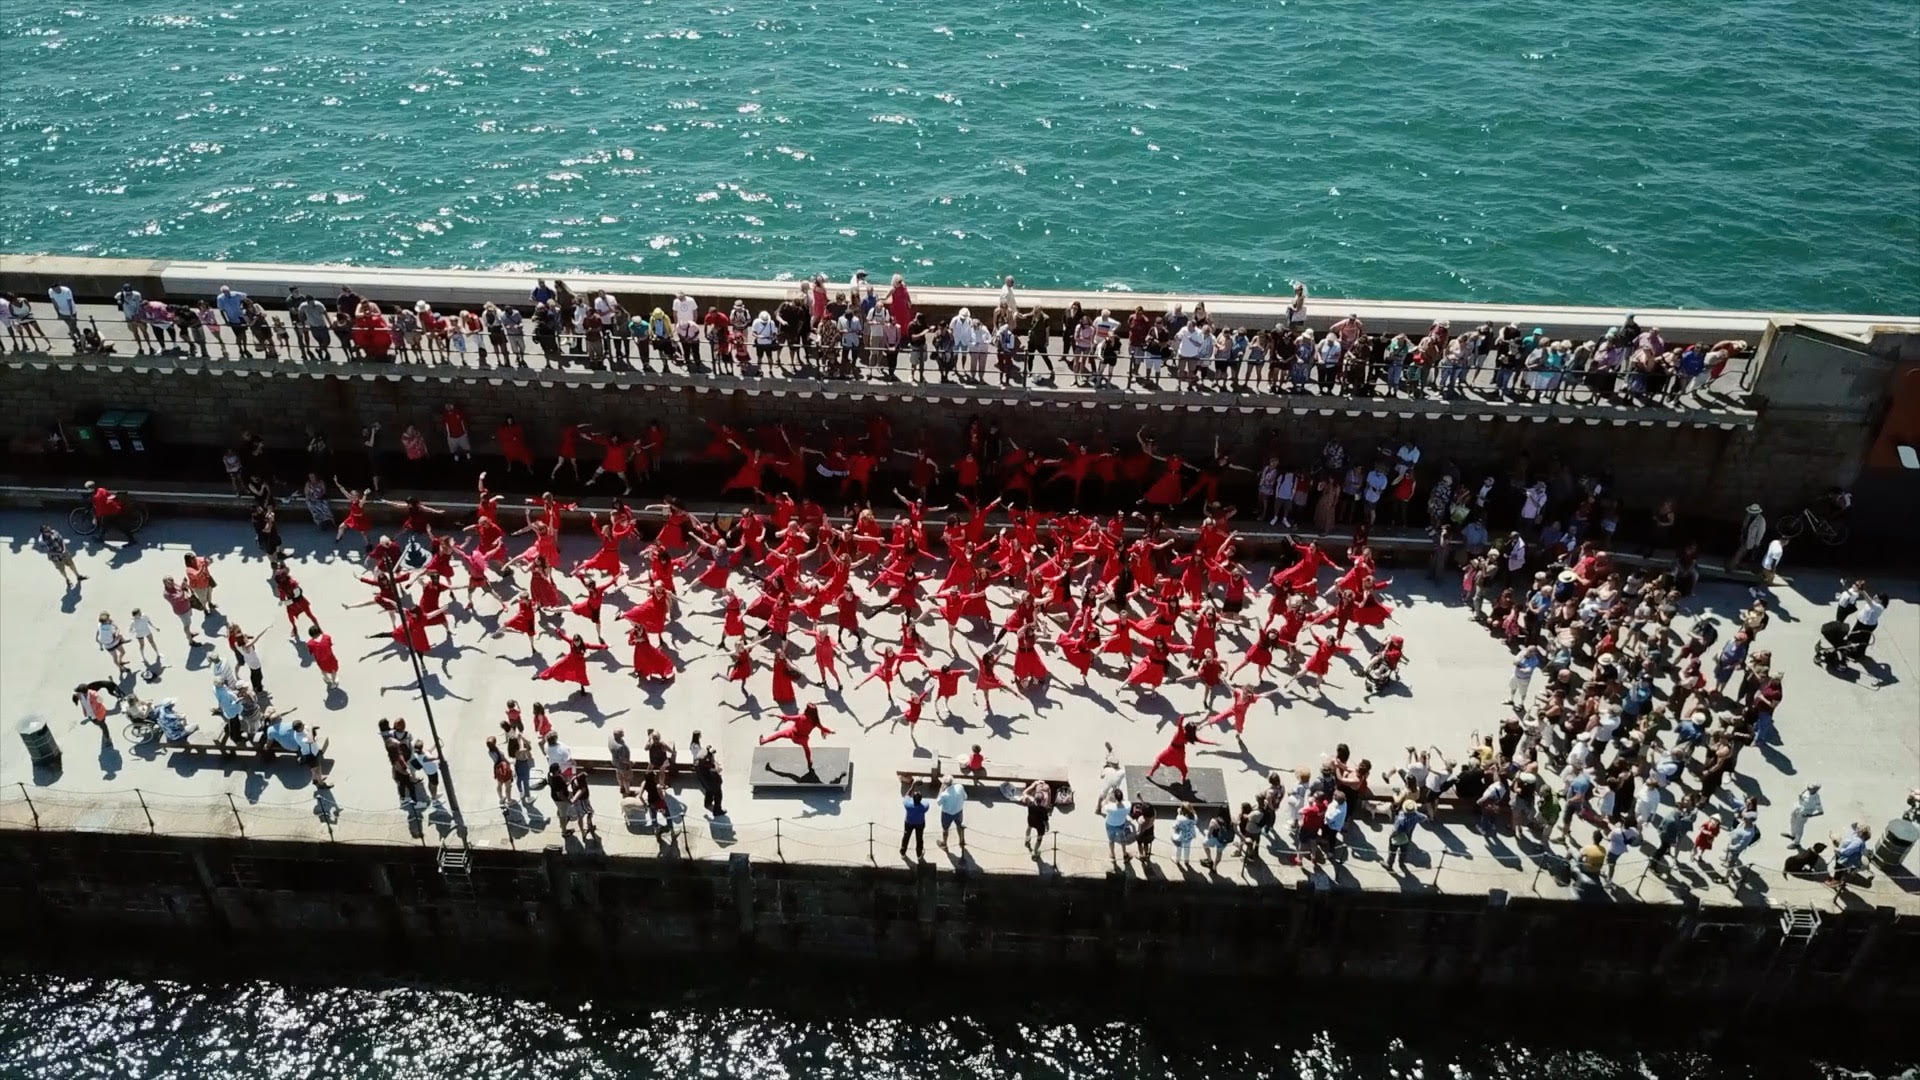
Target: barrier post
31,809
231,805
143,809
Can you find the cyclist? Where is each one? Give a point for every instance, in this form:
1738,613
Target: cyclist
109,512
1833,506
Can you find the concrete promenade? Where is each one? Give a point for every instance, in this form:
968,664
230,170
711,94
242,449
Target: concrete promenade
1856,736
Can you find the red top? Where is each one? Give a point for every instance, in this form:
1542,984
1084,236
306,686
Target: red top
456,422
322,649
105,504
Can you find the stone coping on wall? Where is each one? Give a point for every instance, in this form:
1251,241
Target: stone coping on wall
199,278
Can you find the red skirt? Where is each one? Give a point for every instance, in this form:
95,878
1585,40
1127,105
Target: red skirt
650,662
1147,673
1165,491
1028,665
356,520
571,668
544,593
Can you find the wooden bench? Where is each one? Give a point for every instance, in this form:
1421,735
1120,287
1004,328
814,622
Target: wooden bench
994,774
678,772
784,768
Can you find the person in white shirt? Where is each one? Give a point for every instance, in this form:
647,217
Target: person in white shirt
559,753
1006,294
1376,486
1647,807
64,307
112,642
1535,504
1867,615
952,803
1516,554
141,628
1769,567
685,310
1806,808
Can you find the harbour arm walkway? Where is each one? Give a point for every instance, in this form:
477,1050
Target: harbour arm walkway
1854,735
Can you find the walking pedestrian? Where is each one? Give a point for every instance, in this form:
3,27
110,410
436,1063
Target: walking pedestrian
112,642
502,770
60,554
915,828
1805,808
1037,797
141,628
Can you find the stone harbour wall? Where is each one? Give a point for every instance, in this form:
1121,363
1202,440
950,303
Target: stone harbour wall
323,904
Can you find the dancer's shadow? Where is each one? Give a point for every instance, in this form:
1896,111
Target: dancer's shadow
588,709
111,759
431,686
1086,690
336,699
1242,755
70,600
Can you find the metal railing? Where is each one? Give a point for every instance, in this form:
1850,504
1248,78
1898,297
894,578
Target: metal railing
623,359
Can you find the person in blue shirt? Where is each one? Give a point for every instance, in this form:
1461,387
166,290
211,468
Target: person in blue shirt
233,308
1849,855
916,825
1408,819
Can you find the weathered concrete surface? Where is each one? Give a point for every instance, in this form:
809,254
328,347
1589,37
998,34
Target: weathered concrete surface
1855,736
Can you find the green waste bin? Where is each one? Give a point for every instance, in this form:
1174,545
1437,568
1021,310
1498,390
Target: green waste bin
85,438
42,749
134,430
109,428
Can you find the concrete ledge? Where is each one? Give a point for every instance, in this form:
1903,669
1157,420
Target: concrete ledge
100,277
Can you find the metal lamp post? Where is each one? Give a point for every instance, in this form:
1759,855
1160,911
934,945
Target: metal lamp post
402,602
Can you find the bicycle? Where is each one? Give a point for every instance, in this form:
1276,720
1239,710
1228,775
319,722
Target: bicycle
82,522
1830,533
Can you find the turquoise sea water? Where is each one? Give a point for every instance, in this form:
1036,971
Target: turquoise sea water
1632,152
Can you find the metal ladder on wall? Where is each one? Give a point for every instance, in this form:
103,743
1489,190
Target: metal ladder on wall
1799,923
456,870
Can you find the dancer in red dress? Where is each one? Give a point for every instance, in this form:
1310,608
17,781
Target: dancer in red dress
523,619
607,559
1321,661
1260,653
513,444
476,559
649,660
888,670
1302,575
1171,487
948,678
588,606
573,666
355,519
1235,714
541,587
288,592
1209,672
1029,669
782,676
733,624
740,669
985,679
1175,755
321,646
823,657
798,728
1150,670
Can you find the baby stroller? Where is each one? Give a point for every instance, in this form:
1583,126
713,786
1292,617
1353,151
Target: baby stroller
1841,645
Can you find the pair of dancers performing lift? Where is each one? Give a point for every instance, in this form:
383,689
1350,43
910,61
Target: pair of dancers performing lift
1075,583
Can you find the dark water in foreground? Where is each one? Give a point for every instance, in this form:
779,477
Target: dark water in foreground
892,1027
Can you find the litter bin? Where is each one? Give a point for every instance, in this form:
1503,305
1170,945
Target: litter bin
84,438
42,750
109,428
1896,840
134,426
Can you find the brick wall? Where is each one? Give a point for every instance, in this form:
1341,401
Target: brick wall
1712,471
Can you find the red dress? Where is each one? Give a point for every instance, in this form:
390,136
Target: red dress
1167,490
649,615
1151,669
356,519
735,625
544,593
1322,658
782,679
588,606
571,667
949,679
1027,663
742,668
521,621
1175,755
649,661
1235,713
985,679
